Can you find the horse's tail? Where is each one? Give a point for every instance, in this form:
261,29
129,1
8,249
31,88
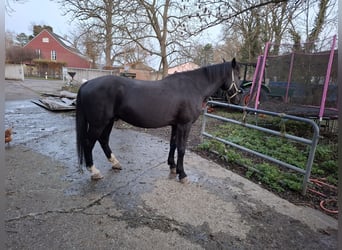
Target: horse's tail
81,130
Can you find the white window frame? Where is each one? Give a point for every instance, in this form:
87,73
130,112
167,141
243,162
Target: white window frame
38,53
53,55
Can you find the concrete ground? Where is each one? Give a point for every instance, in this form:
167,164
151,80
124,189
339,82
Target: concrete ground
50,205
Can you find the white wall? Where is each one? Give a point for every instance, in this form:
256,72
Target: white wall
85,74
14,72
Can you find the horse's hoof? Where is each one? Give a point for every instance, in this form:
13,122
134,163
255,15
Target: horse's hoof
184,180
96,176
172,176
173,173
117,166
115,163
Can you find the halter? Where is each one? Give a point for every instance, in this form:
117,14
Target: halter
233,85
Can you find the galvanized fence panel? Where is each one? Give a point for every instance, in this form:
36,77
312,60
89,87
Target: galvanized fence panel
310,142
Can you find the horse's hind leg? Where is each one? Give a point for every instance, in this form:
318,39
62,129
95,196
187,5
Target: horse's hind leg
104,142
92,136
173,146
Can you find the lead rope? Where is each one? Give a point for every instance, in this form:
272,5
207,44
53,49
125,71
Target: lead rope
233,85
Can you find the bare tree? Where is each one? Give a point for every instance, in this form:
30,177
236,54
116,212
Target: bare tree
311,21
198,53
172,23
208,13
319,23
9,3
154,27
257,26
99,19
38,28
18,55
91,47
278,23
159,28
9,39
230,48
22,39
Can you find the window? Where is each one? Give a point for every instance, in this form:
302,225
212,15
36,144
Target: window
45,40
53,55
38,53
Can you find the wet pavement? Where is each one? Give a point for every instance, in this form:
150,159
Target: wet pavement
51,205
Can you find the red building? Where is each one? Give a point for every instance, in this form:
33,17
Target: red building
53,52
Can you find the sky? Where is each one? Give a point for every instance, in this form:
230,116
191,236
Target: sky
31,12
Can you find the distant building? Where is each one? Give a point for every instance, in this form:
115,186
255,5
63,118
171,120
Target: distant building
183,67
138,70
52,54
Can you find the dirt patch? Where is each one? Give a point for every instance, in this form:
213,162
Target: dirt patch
131,210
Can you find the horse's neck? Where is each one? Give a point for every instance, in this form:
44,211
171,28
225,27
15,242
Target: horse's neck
208,86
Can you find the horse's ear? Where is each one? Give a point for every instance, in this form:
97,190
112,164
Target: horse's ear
223,60
233,63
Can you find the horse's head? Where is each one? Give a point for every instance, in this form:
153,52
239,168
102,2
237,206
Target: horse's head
232,83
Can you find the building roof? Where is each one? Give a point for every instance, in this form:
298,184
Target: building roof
139,66
62,41
183,67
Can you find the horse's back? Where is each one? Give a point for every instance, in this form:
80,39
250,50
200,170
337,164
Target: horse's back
102,82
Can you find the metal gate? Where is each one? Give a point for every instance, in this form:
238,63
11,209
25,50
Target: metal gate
311,142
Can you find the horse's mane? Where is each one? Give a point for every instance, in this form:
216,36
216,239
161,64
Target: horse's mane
221,69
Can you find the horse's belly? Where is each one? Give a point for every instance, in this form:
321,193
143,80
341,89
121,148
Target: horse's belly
145,123
158,111
147,117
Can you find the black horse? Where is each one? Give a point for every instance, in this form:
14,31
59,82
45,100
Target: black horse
174,101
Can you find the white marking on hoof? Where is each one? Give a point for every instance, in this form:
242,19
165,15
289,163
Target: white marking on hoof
185,180
173,171
115,163
95,173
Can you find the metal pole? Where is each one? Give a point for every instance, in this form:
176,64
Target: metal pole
256,72
327,79
261,74
310,158
204,122
289,78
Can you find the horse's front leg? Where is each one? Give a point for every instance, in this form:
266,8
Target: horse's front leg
173,146
182,137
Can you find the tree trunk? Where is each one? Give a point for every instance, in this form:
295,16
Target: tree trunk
109,32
